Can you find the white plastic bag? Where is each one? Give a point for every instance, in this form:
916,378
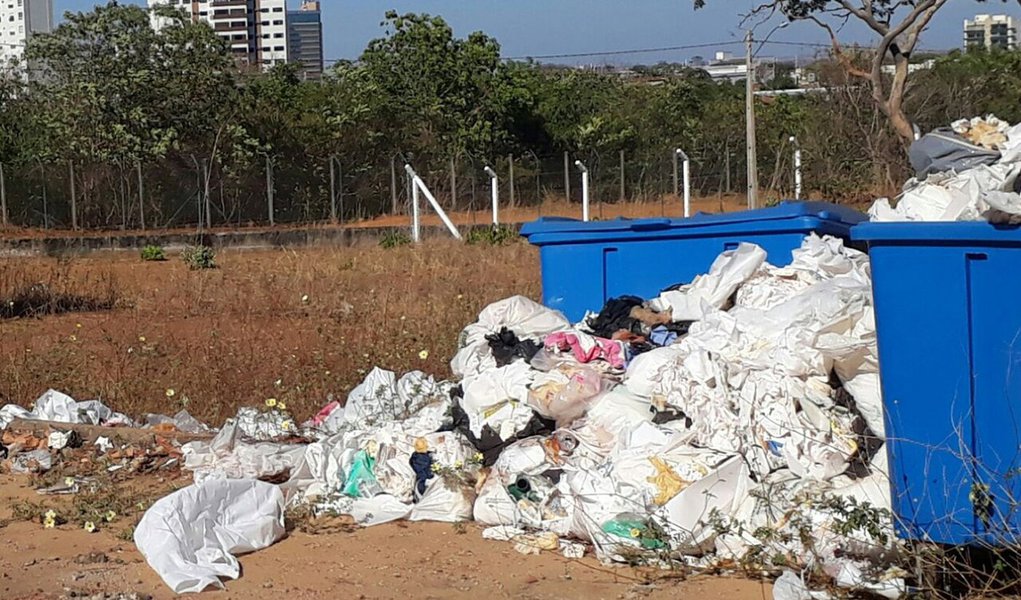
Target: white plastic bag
191,536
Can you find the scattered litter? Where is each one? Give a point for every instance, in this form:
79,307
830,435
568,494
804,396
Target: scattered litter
103,444
36,461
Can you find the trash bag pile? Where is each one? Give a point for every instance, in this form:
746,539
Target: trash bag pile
966,172
732,420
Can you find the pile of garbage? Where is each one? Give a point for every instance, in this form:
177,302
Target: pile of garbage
734,421
966,172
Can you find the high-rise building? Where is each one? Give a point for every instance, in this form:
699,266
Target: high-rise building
19,20
305,39
256,30
991,31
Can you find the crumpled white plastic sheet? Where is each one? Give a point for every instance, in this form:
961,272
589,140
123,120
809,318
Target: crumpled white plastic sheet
983,193
526,318
498,397
712,290
416,399
61,408
191,536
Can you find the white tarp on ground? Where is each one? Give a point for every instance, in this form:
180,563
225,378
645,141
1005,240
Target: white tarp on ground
976,193
191,536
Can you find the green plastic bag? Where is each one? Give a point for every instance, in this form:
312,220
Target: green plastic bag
361,480
634,527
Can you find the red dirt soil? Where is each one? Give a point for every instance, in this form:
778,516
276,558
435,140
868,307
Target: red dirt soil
402,560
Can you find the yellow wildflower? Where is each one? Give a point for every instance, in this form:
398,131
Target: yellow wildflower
271,402
424,354
90,526
49,523
170,393
110,516
282,405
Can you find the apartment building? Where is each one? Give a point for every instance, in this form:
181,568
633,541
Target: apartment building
19,20
991,31
256,30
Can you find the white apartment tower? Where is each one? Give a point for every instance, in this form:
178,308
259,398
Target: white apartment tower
19,20
256,30
991,31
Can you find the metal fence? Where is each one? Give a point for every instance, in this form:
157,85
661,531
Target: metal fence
196,192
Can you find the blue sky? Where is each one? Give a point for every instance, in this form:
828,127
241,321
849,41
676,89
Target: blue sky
543,27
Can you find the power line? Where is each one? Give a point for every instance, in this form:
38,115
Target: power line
814,45
620,52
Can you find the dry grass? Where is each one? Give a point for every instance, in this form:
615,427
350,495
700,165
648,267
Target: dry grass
222,338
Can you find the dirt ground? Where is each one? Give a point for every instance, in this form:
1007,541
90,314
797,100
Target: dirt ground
397,560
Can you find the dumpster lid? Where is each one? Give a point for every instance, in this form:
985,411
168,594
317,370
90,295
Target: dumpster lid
936,231
785,210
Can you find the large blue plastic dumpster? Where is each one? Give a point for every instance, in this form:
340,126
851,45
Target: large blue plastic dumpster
585,264
948,318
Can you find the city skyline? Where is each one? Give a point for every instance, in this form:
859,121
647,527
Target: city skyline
530,28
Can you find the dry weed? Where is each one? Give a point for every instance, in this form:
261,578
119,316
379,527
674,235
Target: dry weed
297,325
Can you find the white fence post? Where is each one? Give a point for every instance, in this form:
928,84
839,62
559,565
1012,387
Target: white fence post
584,189
797,168
418,186
494,188
416,226
687,182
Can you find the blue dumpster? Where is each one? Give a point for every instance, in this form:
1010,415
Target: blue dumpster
948,318
585,264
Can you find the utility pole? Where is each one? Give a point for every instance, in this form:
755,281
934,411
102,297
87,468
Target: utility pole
753,172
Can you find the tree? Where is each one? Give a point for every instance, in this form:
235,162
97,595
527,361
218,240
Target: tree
899,25
114,90
442,93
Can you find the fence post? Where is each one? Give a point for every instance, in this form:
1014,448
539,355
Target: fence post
567,176
510,175
3,198
687,180
622,172
453,184
797,168
416,230
393,185
333,193
727,148
584,190
340,192
74,200
677,188
206,169
141,196
269,190
494,191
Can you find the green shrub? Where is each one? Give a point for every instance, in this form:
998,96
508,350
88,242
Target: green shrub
153,253
199,257
496,235
394,238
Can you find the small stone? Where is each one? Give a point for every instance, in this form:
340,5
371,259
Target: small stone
29,563
267,585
